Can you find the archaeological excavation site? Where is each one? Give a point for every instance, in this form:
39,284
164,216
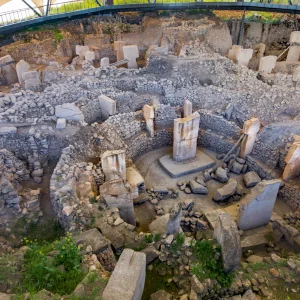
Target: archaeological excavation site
150,155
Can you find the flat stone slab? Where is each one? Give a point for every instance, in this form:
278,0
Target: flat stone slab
176,169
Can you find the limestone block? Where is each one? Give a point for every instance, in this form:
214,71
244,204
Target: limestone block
108,106
187,108
251,179
8,130
256,208
104,62
134,178
267,63
232,55
93,238
296,74
149,118
243,56
118,47
9,71
228,237
69,111
185,137
131,53
166,225
81,50
114,164
251,128
32,80
22,67
226,191
117,195
90,55
293,54
128,278
292,159
295,37
61,123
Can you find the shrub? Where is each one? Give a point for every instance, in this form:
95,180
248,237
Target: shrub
59,275
149,238
210,263
178,242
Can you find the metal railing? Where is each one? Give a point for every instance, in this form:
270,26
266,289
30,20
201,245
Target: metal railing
26,14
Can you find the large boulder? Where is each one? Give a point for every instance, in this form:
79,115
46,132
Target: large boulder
198,188
221,175
227,235
251,179
93,238
168,223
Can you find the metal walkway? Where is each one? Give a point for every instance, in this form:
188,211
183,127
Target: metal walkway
13,24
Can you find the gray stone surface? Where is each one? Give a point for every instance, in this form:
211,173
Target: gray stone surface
177,169
161,295
256,208
128,278
226,191
251,179
69,111
95,239
198,188
166,225
227,235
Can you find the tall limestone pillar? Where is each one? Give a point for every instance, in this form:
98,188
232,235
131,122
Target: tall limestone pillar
292,159
185,137
251,128
149,118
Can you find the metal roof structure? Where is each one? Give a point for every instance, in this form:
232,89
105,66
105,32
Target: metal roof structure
43,15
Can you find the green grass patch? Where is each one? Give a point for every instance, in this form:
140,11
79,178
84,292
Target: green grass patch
262,17
209,264
58,274
178,242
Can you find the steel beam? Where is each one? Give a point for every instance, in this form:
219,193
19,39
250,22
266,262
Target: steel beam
32,8
241,29
296,22
48,7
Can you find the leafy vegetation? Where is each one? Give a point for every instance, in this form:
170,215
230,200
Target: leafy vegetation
59,273
263,17
178,242
209,264
58,36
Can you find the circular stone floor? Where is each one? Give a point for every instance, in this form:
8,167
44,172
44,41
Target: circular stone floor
153,173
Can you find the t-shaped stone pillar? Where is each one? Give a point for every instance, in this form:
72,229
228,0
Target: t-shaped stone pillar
114,164
185,137
118,47
292,168
267,63
149,117
131,53
251,128
187,108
